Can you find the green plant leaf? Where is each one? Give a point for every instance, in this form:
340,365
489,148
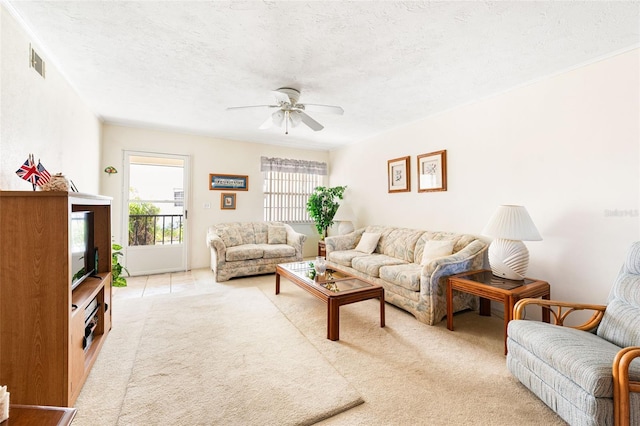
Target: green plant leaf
323,205
116,267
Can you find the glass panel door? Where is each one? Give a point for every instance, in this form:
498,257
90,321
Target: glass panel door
156,218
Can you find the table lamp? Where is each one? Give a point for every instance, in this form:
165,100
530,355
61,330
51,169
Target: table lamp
508,256
344,217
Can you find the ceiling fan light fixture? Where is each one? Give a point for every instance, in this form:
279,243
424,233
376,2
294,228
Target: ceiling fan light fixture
290,112
277,117
295,118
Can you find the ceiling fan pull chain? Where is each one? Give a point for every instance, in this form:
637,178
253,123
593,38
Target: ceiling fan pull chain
286,122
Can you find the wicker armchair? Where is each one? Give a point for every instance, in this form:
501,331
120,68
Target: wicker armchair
586,373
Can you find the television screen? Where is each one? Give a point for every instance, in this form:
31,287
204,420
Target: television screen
82,260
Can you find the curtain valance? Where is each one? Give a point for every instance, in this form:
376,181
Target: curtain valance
292,166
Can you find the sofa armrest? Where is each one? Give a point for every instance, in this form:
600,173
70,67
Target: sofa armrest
295,240
343,242
557,307
469,258
218,248
622,386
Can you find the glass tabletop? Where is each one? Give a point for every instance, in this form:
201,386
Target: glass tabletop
486,277
333,279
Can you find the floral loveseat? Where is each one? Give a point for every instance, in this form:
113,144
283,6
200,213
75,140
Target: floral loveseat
240,249
401,263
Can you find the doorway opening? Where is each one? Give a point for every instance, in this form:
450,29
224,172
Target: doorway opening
155,214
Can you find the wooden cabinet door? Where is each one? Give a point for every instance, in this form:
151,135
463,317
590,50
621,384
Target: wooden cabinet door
76,353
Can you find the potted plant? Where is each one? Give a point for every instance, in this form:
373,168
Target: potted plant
323,205
116,267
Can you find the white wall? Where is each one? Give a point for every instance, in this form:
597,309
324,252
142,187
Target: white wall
44,117
567,148
208,155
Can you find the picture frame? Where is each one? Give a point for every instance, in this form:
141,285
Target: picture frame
398,172
432,171
218,181
228,201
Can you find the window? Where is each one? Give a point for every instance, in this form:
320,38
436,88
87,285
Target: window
178,197
287,186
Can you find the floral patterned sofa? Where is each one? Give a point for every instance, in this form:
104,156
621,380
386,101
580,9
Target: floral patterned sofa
241,249
400,263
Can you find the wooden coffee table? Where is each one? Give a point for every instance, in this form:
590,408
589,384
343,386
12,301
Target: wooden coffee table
335,288
489,287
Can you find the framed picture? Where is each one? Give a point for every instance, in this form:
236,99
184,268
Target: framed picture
432,171
228,201
228,182
398,174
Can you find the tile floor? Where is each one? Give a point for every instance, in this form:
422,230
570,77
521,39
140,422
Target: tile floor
174,282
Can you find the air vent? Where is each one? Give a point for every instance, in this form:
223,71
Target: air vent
36,62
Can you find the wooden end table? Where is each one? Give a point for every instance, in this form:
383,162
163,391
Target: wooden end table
488,287
322,250
31,415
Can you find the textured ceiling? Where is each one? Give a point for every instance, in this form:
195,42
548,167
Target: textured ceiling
179,65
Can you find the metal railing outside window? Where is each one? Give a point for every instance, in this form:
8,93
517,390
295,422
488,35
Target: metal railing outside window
155,229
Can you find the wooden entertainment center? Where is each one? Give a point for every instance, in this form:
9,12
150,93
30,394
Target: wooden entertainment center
50,335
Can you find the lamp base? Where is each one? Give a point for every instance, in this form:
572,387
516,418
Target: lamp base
508,259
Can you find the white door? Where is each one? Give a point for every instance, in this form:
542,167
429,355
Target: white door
155,218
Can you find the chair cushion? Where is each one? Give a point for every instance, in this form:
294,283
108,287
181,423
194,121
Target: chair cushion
583,357
632,262
562,395
621,322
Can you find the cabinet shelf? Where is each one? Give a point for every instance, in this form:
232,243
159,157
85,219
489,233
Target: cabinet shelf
87,290
42,320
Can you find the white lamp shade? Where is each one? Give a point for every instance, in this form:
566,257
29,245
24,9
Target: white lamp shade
344,217
512,223
344,213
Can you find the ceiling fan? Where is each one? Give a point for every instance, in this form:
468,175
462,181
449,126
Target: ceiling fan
290,112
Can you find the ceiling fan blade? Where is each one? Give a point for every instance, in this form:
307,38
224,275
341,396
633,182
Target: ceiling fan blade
266,124
329,109
315,126
254,106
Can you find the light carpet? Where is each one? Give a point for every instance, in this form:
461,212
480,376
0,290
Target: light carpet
408,373
224,358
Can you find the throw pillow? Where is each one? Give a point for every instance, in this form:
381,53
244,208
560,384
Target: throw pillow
368,242
276,234
434,249
230,236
